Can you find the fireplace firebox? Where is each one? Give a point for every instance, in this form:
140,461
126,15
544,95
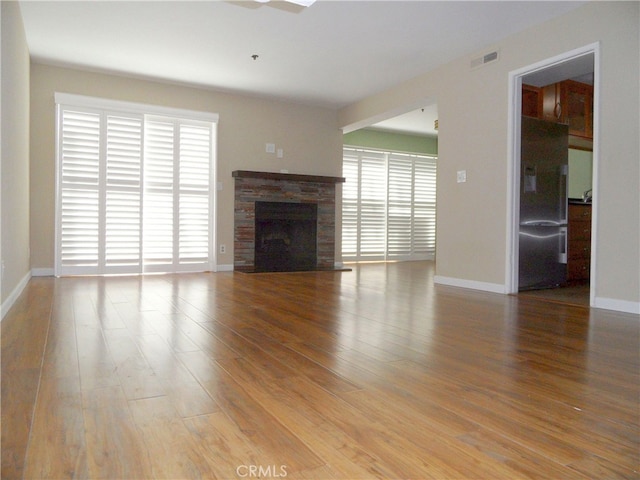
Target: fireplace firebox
285,236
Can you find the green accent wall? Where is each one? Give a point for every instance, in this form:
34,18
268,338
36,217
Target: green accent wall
397,142
580,172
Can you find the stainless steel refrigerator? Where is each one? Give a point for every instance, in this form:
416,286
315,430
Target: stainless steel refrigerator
543,204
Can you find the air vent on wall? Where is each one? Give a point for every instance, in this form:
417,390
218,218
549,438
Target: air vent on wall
485,59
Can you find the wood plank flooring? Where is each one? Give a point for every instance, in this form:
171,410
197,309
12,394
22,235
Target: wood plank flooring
373,373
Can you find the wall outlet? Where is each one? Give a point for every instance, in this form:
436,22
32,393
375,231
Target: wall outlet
462,176
223,248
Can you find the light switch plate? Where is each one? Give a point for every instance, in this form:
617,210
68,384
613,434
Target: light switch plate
462,176
270,148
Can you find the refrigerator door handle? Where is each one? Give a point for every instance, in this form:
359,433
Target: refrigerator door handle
564,197
562,256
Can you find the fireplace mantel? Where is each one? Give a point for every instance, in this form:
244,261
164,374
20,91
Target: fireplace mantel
288,177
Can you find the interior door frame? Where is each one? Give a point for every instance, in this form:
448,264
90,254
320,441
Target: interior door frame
513,174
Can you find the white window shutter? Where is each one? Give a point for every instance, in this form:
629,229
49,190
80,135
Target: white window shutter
79,176
373,193
123,194
158,197
350,205
424,208
194,213
400,214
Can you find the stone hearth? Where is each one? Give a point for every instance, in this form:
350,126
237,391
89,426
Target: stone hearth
252,187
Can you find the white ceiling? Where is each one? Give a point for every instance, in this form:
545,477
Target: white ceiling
331,54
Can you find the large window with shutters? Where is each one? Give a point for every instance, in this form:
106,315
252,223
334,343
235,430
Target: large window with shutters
388,206
134,188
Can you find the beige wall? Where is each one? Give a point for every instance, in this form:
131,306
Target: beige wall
473,111
14,249
309,137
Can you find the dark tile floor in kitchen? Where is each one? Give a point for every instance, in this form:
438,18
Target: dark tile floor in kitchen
573,295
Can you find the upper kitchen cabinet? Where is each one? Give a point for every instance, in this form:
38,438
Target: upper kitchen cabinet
567,102
552,103
531,101
577,107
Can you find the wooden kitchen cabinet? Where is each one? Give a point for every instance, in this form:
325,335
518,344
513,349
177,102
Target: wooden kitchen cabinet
531,101
579,243
552,103
577,107
568,102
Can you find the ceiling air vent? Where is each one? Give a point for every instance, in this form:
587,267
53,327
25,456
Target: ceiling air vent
484,59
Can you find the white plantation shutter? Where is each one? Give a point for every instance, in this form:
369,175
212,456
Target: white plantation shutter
350,204
389,202
79,178
373,185
158,203
134,192
424,207
122,193
400,211
194,214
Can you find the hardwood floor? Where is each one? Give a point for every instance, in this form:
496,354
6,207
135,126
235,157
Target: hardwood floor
374,373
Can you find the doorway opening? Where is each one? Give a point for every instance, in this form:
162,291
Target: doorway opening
560,90
389,198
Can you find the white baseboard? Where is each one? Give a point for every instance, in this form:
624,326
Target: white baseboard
224,268
471,284
42,272
617,305
13,296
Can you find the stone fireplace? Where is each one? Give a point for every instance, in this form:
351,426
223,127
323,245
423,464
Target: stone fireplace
284,222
